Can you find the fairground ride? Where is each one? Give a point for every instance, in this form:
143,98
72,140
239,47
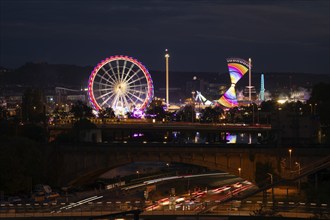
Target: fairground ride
237,68
122,83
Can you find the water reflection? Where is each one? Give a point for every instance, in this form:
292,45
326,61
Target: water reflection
231,138
189,137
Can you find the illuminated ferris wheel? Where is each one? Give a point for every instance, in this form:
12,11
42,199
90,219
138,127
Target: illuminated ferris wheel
122,83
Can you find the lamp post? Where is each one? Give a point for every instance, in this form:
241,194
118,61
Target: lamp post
313,110
290,152
271,182
299,170
192,105
239,171
271,178
252,113
250,60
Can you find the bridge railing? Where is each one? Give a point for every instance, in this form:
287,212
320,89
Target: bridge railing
310,169
240,207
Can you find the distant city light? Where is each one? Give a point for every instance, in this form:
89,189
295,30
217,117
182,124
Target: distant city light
282,101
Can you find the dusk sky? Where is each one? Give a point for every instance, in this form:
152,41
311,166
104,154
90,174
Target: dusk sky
279,35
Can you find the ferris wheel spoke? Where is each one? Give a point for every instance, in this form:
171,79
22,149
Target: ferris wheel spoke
107,99
123,72
115,101
106,89
137,91
103,84
135,88
120,102
113,72
129,83
134,74
107,73
134,103
103,95
137,85
129,71
137,97
106,79
110,79
124,100
118,69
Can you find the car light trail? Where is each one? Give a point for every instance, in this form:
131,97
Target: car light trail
81,202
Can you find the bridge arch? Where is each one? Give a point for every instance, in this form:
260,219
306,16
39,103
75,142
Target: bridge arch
88,160
79,162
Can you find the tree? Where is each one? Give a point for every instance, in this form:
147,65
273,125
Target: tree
268,106
156,110
320,100
210,114
81,110
319,104
234,115
59,112
33,106
266,110
106,113
187,113
3,113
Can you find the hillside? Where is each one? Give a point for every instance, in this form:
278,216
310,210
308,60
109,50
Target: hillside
71,76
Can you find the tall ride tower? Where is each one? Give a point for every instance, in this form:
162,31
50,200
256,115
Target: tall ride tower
262,89
250,79
167,55
250,90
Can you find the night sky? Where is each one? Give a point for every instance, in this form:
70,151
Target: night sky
279,35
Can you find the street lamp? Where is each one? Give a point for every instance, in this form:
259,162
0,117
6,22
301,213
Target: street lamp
271,182
315,108
271,178
192,105
253,113
299,169
259,115
290,151
313,111
239,171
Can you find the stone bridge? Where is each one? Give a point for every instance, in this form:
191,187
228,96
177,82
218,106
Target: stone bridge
78,162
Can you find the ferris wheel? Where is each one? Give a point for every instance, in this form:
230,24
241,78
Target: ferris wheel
122,83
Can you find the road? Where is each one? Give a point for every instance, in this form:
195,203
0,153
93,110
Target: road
207,199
